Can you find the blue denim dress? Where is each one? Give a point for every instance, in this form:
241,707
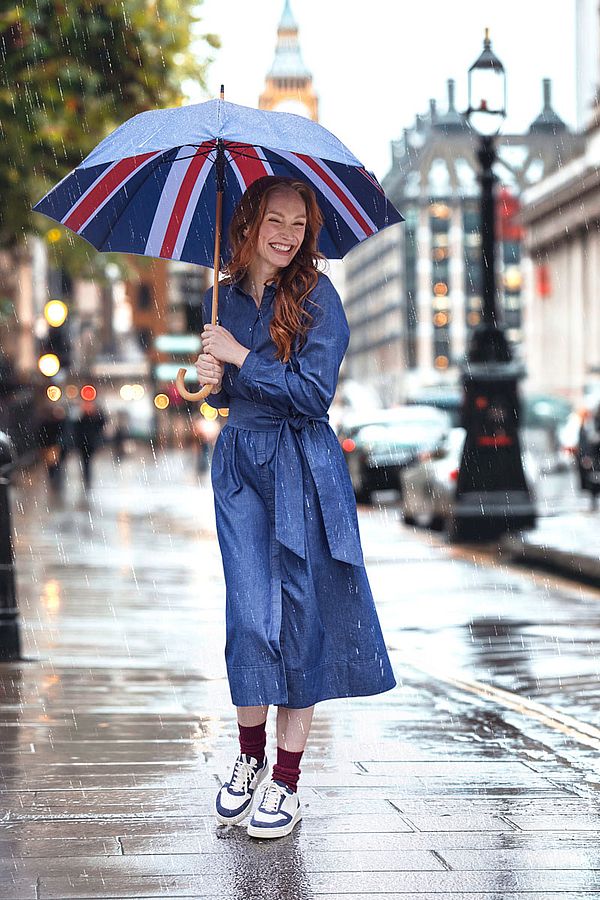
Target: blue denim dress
301,623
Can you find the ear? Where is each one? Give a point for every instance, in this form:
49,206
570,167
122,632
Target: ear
245,231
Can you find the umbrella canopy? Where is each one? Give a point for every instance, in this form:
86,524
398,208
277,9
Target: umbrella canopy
150,187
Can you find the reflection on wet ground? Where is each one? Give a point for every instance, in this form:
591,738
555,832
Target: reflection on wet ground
116,733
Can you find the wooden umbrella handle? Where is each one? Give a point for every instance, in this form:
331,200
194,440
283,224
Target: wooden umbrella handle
190,395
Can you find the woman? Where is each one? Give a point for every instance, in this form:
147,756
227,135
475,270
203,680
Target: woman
301,622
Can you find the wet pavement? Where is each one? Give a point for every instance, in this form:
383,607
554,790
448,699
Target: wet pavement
477,777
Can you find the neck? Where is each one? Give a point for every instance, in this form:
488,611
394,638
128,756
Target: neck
256,277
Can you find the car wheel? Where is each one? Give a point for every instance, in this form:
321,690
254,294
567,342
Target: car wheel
362,494
437,523
455,530
408,519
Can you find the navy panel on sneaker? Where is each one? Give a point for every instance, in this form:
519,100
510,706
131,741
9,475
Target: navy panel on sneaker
277,813
234,800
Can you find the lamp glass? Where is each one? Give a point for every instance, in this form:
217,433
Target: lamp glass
487,99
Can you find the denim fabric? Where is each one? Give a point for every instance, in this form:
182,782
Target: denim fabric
301,621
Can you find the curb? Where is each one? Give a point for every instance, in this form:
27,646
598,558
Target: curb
580,566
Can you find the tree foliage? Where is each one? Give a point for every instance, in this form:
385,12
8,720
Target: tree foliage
71,71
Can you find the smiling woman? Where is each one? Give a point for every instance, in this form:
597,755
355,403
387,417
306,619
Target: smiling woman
300,618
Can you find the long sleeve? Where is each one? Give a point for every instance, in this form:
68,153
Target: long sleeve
222,399
307,383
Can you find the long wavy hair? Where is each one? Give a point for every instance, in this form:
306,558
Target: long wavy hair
293,283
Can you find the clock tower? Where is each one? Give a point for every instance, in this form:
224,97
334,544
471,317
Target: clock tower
288,85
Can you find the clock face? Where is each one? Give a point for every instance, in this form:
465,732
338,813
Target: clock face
293,106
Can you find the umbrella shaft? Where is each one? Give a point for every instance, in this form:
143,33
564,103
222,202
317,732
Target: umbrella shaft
215,299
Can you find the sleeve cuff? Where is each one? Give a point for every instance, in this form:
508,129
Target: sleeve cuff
217,401
248,369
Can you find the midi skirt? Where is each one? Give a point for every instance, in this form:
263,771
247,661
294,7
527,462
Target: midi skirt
298,631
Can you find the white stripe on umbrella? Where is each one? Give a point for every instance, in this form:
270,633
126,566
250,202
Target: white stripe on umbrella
95,185
175,209
248,168
322,186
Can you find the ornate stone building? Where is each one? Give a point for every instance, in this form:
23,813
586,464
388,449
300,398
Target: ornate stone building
413,292
288,85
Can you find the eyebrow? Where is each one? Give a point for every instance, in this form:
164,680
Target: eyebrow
275,212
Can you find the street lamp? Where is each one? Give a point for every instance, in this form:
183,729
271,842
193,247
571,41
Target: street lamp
491,482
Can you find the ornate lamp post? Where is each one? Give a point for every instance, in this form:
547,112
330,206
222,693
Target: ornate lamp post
491,478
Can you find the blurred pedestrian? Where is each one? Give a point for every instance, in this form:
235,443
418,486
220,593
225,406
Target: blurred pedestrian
300,618
52,440
120,438
87,437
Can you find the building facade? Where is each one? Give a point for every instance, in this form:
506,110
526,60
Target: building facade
562,219
413,292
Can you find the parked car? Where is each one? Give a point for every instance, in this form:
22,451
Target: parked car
588,454
429,485
542,418
378,447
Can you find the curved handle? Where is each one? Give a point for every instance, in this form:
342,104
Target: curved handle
189,395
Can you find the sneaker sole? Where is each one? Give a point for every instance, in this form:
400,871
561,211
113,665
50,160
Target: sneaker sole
234,820
257,832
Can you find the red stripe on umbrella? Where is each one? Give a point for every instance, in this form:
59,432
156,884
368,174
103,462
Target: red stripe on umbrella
183,198
250,165
104,187
324,176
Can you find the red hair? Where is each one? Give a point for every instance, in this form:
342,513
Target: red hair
296,280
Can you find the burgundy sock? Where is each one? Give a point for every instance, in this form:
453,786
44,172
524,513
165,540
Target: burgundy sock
253,739
287,768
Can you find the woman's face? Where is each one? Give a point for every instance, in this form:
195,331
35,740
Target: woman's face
282,229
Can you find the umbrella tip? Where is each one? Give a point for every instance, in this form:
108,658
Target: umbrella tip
222,94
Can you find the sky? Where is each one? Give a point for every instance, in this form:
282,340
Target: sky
375,64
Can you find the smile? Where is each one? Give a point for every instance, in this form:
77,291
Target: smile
281,248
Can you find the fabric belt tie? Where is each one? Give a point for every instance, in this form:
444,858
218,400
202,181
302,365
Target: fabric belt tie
297,436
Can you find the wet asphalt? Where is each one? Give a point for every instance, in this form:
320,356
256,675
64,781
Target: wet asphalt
477,777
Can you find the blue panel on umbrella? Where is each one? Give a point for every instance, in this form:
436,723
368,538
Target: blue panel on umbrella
126,219
67,192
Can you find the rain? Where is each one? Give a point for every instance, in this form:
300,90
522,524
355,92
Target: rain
354,477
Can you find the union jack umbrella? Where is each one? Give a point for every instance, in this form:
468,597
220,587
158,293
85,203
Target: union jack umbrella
166,182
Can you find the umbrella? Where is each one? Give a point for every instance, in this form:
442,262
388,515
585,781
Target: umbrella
166,182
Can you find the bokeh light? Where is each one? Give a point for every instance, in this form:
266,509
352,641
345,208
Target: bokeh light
49,364
209,412
55,312
161,401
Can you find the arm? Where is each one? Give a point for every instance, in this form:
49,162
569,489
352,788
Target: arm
307,383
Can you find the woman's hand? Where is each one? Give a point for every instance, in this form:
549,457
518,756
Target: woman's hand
210,371
222,345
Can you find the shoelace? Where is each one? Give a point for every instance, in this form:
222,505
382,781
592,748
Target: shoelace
272,796
243,773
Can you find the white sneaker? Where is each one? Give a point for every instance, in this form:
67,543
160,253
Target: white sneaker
234,800
277,812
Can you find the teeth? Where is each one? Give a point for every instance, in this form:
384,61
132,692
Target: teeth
284,247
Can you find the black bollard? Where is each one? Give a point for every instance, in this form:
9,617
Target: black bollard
10,645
